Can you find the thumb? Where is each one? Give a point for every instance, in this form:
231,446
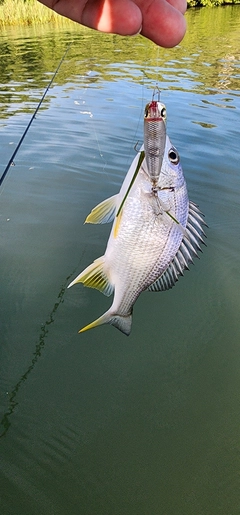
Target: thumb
124,17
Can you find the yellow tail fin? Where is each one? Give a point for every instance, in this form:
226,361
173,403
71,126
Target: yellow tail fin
123,323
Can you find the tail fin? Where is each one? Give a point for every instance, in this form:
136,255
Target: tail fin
123,323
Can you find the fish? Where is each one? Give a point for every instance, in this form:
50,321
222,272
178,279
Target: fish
156,231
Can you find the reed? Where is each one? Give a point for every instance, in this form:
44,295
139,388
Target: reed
20,12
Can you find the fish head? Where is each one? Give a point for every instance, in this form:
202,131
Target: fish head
154,137
171,175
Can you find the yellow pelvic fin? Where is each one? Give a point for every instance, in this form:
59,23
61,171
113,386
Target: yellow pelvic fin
117,224
94,276
103,212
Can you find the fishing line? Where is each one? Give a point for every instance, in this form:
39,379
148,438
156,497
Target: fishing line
100,151
143,99
92,115
11,161
135,143
157,66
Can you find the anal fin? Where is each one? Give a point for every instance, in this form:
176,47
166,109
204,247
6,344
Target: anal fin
94,276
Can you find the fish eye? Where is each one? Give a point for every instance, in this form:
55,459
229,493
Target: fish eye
173,156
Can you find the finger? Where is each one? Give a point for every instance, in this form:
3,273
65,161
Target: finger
162,23
180,5
69,8
116,16
119,17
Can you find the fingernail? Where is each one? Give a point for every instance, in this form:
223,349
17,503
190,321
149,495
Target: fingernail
138,32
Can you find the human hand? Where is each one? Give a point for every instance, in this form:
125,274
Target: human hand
161,21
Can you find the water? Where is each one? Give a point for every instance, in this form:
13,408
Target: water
99,423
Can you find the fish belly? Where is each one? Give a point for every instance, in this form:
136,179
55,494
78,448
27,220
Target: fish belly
145,245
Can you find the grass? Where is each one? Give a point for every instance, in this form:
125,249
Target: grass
20,12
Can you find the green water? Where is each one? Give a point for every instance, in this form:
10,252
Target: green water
98,423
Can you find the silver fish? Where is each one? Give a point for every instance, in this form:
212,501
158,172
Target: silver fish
156,233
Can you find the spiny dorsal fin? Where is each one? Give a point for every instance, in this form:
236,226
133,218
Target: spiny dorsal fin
94,276
103,212
187,250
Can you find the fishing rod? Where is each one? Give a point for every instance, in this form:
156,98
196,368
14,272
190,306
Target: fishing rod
11,162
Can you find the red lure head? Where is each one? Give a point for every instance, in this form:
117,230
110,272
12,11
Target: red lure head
155,110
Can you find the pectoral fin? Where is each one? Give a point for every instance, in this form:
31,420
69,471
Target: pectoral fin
103,212
94,276
160,208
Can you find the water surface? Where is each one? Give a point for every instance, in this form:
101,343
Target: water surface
99,423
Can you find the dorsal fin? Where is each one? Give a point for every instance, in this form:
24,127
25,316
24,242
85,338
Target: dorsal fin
188,249
103,212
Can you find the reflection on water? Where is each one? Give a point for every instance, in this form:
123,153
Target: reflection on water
98,423
27,59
